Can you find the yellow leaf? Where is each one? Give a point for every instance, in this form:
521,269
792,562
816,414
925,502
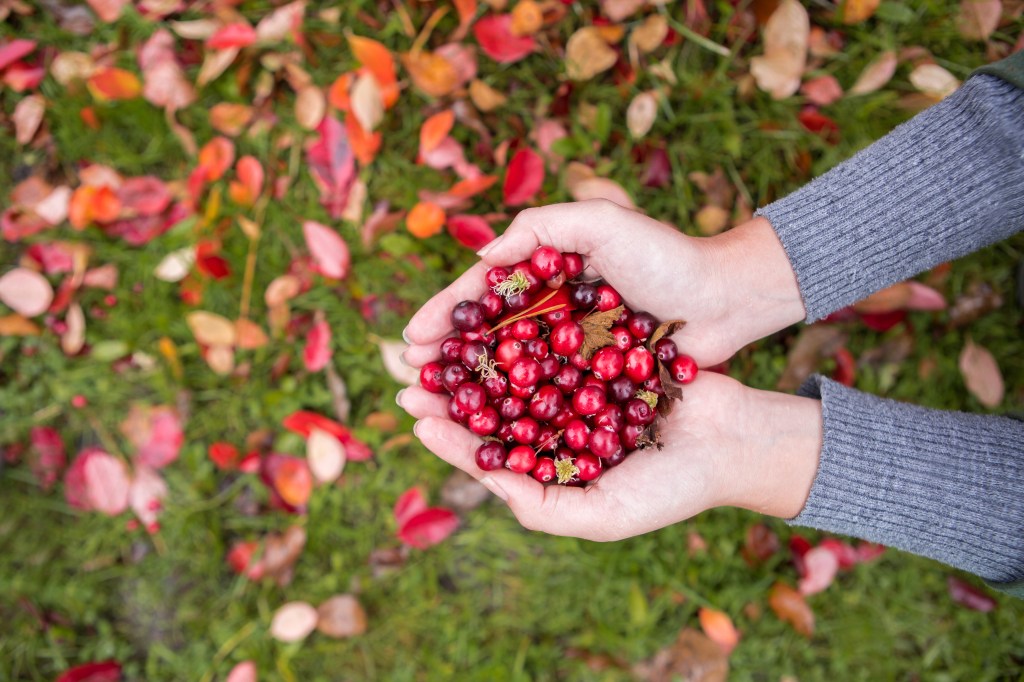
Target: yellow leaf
588,54
779,70
485,97
211,329
431,73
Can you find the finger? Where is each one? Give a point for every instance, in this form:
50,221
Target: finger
417,355
433,321
421,403
570,227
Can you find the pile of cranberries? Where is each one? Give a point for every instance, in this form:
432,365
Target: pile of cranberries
554,372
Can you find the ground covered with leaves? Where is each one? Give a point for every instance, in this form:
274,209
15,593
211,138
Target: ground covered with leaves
218,217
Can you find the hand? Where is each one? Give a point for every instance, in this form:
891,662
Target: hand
724,444
730,289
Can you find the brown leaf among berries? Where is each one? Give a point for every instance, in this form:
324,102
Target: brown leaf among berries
597,330
693,657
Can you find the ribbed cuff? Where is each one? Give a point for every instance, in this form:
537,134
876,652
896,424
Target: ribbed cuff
941,185
946,485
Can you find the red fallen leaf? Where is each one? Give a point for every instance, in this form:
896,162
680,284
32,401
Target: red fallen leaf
242,559
816,122
799,546
53,258
108,10
332,165
289,478
15,50
246,670
969,596
233,35
524,177
883,322
844,553
822,91
846,367
494,33
303,422
111,83
216,157
224,455
869,551
330,252
212,265
247,188
146,495
820,568
719,629
46,457
657,170
789,605
145,195
102,671
91,203
141,230
97,480
20,76
428,528
471,231
317,352
409,505
156,432
760,544
380,63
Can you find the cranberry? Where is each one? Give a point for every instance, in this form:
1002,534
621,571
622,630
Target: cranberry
524,372
580,362
639,413
470,397
629,435
556,317
556,282
503,334
568,379
607,298
564,416
525,430
430,377
512,408
572,264
525,329
624,317
604,442
475,351
584,296
521,459
591,380
546,403
607,363
666,350
535,282
544,470
654,385
536,348
621,389
546,262
615,460
639,364
496,386
589,466
611,417
485,421
517,302
523,392
567,338
480,335
490,456
642,325
549,367
495,276
683,369
455,412
467,316
505,433
576,434
508,352
547,439
588,400
451,350
623,339
492,305
453,376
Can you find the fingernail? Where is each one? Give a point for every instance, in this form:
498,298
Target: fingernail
401,358
494,242
416,429
398,397
494,487
405,335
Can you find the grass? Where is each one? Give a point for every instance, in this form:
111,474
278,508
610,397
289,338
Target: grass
493,602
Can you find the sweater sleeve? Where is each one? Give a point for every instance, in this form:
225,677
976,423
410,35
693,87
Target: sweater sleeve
946,485
939,186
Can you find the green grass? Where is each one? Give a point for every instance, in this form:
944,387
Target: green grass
492,602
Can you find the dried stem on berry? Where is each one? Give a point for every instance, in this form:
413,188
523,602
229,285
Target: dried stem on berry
516,283
649,397
488,368
533,311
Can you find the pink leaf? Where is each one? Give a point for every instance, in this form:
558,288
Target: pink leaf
923,297
47,458
494,33
164,82
146,495
845,554
981,374
428,528
409,505
293,622
25,291
969,596
317,353
243,672
161,439
820,567
822,91
97,480
20,76
332,165
108,10
145,195
869,551
15,50
471,231
329,250
447,153
232,35
103,671
282,21
524,177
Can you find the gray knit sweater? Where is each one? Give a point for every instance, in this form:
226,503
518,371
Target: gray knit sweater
945,485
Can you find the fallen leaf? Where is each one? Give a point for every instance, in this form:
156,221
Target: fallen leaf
779,70
281,551
467,13
408,505
326,456
650,34
293,622
485,98
156,433
330,252
289,477
620,10
588,54
366,102
969,596
303,422
934,81
341,616
472,231
789,605
243,672
47,458
110,83
164,84
524,177
146,495
26,292
378,60
216,157
282,289
711,220
391,356
16,325
211,329
249,335
73,338
332,165
281,23
719,629
230,118
317,352
214,64
876,74
692,657
981,374
431,73
425,220
495,35
176,265
812,345
310,107
597,330
641,114
435,129
428,528
97,481
820,566
225,456
101,671
246,190
70,66
27,117
462,492
760,544
12,51
978,18
235,35
856,11
822,91
601,188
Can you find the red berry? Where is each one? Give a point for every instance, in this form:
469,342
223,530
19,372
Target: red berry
524,372
567,338
621,389
451,350
521,459
512,408
568,379
604,442
615,460
480,335
547,439
580,362
467,316
492,305
496,387
610,417
536,348
453,376
576,435
607,363
639,364
456,413
556,317
525,329
629,435
607,298
430,377
584,296
470,397
503,334
546,262
535,282
546,403
654,385
505,433
549,367
495,276
564,416
523,392
544,470
623,339
642,325
490,456
525,430
589,466
517,302
683,369
473,352
485,422
508,352
591,380
572,264
666,350
588,400
639,413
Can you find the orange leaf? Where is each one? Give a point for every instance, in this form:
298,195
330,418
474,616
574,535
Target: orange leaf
435,129
464,189
719,629
425,219
467,12
375,57
789,605
364,145
216,157
527,18
93,204
855,11
247,188
112,84
337,96
431,73
293,481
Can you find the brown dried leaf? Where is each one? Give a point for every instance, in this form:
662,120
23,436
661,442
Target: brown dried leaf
27,117
979,18
597,330
786,35
211,329
672,391
876,74
979,299
664,329
341,616
587,54
484,97
813,344
280,552
789,605
651,33
693,658
981,374
641,113
760,544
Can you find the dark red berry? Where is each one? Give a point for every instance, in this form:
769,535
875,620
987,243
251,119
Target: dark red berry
584,296
505,433
455,412
524,392
567,338
604,442
607,298
549,367
503,334
588,400
470,397
654,385
495,276
546,262
484,422
639,364
546,403
615,460
589,466
512,408
451,350
517,302
521,459
525,329
568,379
547,439
536,348
639,413
607,363
496,386
453,376
544,470
576,434
430,377
610,417
525,430
621,389
683,369
572,264
490,456
642,325
467,316
666,350
492,305
524,372
475,352
629,435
